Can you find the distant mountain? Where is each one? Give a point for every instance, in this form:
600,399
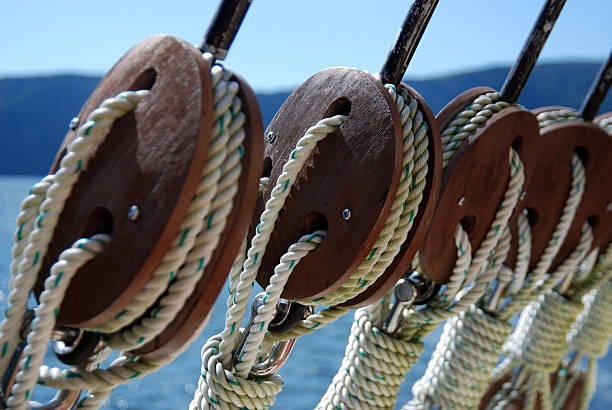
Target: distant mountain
35,112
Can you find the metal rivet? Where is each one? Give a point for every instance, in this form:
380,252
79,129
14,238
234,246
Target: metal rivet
74,123
523,195
271,137
461,201
133,213
609,207
346,214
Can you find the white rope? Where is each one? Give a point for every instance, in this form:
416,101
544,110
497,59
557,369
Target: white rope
592,331
467,121
548,118
589,336
538,342
42,326
373,367
458,373
606,124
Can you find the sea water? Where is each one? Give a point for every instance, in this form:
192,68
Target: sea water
306,375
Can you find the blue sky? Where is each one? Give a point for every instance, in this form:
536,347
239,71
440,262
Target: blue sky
281,43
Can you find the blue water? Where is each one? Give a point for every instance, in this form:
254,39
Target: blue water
306,375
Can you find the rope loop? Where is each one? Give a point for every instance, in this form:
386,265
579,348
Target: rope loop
221,388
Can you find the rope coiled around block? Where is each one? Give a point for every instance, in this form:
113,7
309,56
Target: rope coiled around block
191,250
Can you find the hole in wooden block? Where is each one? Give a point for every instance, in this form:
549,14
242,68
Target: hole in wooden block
532,216
517,143
100,220
314,221
267,167
340,106
583,154
593,220
468,223
145,80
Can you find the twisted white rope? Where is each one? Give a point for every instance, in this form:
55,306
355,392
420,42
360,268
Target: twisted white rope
265,313
467,121
55,287
468,349
592,331
394,233
458,372
590,336
440,385
547,118
538,342
606,124
224,393
373,367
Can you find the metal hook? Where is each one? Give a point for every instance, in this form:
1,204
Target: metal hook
286,317
404,295
414,288
64,399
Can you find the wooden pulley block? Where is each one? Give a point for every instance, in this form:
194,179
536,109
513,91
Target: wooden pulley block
548,182
422,221
474,181
151,160
348,184
200,303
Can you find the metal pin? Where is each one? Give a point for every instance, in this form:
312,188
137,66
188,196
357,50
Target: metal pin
346,214
404,294
461,201
270,137
609,207
74,123
133,212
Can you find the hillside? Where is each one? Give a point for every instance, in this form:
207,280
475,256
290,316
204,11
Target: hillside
35,112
